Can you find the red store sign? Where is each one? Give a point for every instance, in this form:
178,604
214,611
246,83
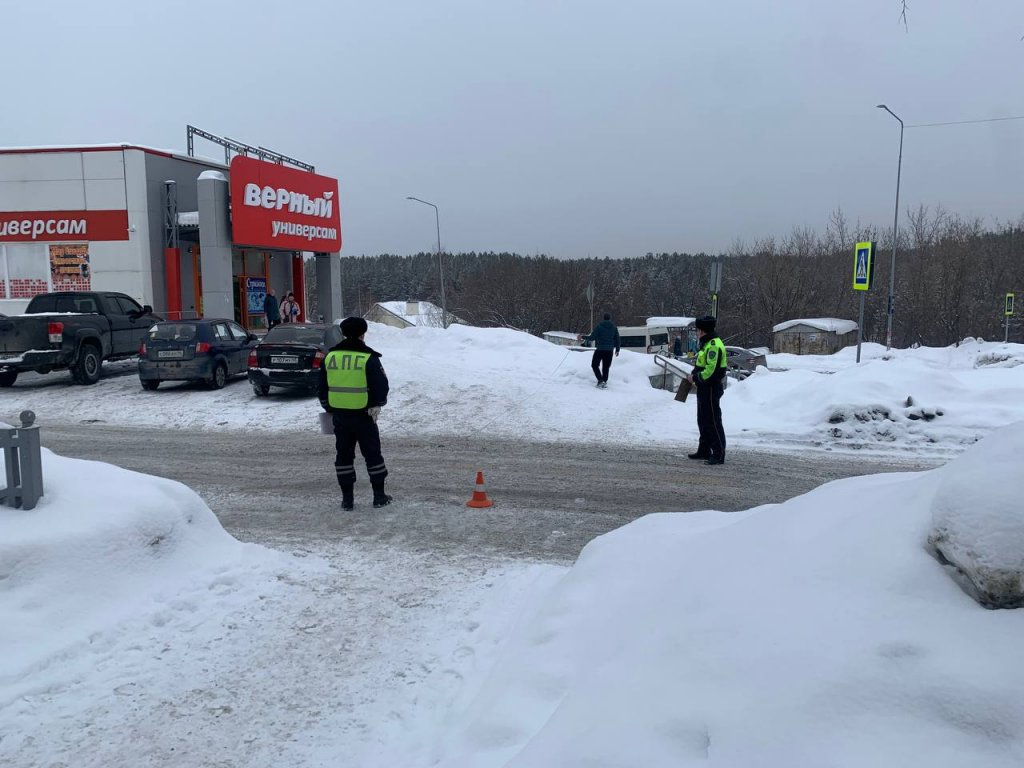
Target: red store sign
274,206
62,226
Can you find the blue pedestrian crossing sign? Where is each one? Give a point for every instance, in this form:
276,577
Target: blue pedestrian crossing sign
863,266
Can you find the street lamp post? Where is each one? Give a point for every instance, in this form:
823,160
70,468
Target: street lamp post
895,236
440,260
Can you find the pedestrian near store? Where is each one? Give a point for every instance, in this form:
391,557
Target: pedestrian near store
708,375
289,309
353,388
605,336
271,309
677,347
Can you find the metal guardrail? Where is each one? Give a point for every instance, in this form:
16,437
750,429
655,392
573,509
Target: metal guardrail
23,464
672,371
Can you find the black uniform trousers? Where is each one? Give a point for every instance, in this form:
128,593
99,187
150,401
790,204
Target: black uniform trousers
602,358
709,421
352,428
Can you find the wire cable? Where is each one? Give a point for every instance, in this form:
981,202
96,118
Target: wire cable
967,122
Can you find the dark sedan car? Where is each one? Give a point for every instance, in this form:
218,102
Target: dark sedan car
207,350
290,356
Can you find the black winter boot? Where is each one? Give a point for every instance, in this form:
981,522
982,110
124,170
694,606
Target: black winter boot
380,499
347,498
698,455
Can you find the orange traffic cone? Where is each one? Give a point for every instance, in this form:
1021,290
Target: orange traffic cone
479,499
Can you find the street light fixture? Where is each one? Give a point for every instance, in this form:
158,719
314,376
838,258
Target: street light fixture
440,260
895,235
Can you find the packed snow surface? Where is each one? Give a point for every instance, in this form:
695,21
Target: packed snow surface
137,632
931,402
978,519
816,632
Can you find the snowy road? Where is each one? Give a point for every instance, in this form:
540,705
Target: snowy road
365,661
549,499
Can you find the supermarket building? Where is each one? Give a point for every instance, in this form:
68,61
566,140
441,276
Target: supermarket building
189,236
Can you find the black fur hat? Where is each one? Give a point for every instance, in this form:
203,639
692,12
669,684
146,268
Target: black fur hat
706,324
353,327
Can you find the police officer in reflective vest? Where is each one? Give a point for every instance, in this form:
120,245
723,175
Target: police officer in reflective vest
353,388
708,375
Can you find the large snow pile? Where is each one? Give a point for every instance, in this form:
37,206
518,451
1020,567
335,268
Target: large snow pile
102,545
978,520
493,382
135,631
930,401
817,632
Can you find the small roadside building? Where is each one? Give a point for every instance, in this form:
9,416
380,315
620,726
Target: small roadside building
678,326
409,314
813,336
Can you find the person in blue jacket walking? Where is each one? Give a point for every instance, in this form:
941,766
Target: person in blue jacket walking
606,340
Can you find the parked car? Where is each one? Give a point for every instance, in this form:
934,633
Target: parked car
290,356
73,330
743,362
206,350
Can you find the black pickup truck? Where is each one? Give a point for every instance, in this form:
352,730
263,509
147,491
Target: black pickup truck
72,330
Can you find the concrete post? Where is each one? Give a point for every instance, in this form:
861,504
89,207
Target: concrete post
215,245
328,286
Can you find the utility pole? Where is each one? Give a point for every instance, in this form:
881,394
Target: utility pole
895,236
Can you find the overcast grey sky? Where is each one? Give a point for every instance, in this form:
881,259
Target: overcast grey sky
561,127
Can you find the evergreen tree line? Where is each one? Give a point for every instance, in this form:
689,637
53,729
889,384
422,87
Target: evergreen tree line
951,277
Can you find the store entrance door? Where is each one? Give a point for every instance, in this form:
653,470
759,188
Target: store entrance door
250,297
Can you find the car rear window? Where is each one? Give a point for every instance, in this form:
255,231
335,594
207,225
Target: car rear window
283,334
333,336
70,304
41,304
173,332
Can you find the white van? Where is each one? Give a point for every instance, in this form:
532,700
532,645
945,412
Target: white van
644,338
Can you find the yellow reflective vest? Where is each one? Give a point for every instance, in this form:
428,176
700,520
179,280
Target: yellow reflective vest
711,357
346,379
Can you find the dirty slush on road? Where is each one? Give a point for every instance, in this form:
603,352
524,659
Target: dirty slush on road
550,499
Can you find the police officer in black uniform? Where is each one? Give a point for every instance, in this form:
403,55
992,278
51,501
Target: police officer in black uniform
708,375
353,388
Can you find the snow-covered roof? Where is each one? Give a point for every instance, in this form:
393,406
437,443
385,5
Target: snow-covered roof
828,324
561,334
188,218
427,314
670,322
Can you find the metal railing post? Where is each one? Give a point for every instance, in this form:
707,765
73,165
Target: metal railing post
23,464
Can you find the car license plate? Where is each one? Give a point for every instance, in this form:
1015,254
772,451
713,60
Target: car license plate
165,354
284,359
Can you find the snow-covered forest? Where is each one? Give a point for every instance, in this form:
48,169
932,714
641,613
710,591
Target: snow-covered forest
951,277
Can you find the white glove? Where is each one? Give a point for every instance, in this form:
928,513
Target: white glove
374,412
